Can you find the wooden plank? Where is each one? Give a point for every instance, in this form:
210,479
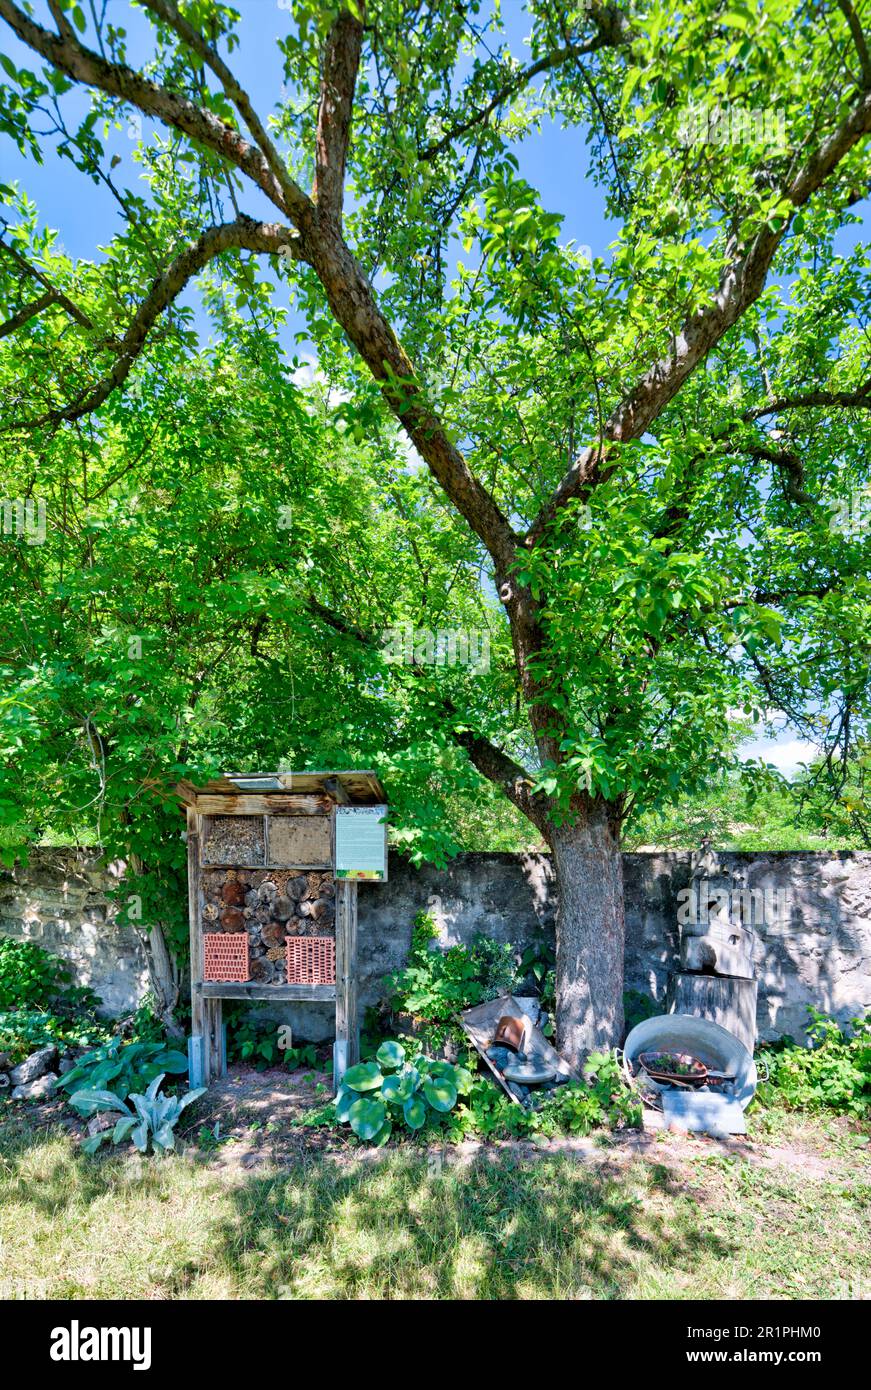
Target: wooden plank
361,784
196,935
214,1050
274,803
729,1001
233,989
347,1023
337,791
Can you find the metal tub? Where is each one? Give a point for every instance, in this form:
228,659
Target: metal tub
719,1049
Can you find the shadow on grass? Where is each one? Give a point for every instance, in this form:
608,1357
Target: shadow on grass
500,1226
395,1224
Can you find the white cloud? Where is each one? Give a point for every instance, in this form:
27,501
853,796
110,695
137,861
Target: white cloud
785,753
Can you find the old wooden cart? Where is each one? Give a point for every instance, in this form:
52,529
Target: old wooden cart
273,865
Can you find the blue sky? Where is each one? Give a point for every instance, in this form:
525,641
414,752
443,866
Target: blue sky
87,216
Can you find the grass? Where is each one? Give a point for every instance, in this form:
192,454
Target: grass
682,1221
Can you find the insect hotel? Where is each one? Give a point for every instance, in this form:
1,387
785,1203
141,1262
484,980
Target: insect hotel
273,866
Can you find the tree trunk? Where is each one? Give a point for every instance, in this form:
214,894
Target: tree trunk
163,977
590,932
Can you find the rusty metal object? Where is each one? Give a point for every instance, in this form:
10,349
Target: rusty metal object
510,1032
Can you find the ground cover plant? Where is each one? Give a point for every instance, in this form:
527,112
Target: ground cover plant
831,1072
435,985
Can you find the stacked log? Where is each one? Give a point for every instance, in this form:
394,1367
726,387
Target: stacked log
271,905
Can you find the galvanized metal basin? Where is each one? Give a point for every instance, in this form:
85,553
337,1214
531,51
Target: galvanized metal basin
719,1049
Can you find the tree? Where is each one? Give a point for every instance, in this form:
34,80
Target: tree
644,451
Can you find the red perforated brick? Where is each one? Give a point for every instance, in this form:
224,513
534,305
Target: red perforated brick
311,960
225,956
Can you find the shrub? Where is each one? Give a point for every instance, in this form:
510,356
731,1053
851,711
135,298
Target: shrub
29,975
23,1031
833,1072
32,978
601,1101
435,985
466,1105
258,1043
122,1067
148,1118
392,1090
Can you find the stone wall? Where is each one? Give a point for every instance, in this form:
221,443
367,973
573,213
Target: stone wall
60,900
819,955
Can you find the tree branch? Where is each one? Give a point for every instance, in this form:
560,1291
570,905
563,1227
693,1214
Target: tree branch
167,11
858,38
807,400
341,62
740,286
612,33
65,53
489,760
244,233
72,309
27,312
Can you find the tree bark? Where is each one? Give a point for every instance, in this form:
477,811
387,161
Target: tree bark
164,978
590,932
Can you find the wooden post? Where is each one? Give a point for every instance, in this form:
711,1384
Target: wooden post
206,1014
198,1053
347,1024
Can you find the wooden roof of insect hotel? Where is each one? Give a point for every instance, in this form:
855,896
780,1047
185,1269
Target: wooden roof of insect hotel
279,791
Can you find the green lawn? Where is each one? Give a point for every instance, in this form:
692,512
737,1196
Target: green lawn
680,1221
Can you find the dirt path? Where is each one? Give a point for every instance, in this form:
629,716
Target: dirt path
253,1118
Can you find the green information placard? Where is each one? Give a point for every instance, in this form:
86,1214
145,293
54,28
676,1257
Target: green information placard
361,843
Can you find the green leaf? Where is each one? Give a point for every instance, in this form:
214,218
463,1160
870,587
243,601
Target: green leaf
94,1102
365,1076
367,1117
391,1055
414,1111
344,1100
93,1142
139,1136
123,1129
441,1093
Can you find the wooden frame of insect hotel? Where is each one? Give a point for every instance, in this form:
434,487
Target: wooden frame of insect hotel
274,860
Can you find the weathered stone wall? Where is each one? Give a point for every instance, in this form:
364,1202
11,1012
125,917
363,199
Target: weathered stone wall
820,955
59,900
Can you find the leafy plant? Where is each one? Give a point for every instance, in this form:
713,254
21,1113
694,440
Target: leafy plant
496,965
147,1119
375,1096
435,986
122,1066
31,977
258,1043
601,1101
637,1006
538,961
833,1072
23,1031
487,1112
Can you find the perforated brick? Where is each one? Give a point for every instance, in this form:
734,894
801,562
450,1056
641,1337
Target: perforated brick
225,956
311,960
